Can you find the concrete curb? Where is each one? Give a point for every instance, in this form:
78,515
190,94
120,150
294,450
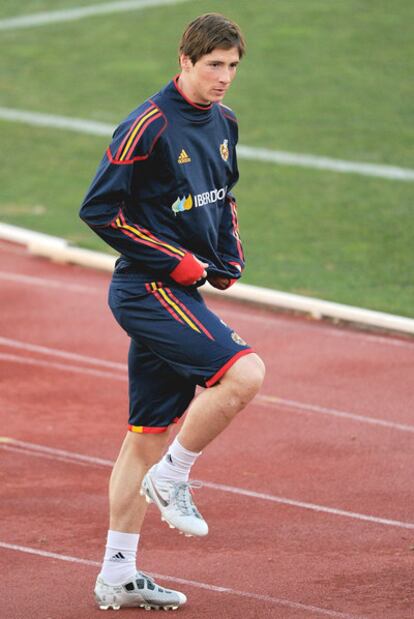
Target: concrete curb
59,250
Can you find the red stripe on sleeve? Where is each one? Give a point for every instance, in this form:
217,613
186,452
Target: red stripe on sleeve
179,251
137,233
127,161
137,239
236,229
120,149
139,135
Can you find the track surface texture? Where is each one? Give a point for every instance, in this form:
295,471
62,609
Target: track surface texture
308,494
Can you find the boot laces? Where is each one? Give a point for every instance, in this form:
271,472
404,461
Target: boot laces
183,498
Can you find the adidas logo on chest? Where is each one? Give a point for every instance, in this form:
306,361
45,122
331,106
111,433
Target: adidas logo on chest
183,157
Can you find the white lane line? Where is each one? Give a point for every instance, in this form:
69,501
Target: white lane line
366,337
9,248
263,400
66,15
33,449
48,283
39,454
244,152
311,506
63,354
190,583
318,328
70,456
302,407
60,366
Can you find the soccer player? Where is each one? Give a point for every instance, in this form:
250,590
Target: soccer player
162,198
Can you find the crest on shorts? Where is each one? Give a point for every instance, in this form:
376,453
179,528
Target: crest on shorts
236,338
224,150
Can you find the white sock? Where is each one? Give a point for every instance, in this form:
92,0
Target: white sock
176,464
119,562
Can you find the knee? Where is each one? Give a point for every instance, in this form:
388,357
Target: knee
253,373
246,377
144,449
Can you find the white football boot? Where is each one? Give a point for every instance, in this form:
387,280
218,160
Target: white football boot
175,503
140,592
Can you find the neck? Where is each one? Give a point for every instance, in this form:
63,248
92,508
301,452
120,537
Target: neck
187,92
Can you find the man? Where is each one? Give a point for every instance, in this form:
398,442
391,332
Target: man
162,198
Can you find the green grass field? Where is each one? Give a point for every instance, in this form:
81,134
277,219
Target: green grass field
325,77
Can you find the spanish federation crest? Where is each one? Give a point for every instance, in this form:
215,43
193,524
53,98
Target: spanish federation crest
236,338
224,150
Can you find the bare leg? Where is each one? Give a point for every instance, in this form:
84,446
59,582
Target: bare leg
127,511
211,412
138,453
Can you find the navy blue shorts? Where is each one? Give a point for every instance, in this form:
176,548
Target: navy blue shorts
177,343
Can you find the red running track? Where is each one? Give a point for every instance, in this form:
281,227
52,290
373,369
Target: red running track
309,494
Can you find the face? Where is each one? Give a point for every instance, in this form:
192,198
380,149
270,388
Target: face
208,80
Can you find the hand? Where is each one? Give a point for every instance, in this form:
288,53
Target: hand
219,282
204,273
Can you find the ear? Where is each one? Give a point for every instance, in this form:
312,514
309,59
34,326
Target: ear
185,62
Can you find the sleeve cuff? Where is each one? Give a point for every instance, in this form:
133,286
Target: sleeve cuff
231,282
237,265
188,271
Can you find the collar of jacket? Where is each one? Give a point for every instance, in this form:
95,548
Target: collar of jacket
189,109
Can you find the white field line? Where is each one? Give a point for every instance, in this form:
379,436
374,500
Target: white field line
325,163
52,121
66,15
244,152
264,400
190,583
359,336
32,449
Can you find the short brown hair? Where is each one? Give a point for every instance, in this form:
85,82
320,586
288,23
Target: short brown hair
209,32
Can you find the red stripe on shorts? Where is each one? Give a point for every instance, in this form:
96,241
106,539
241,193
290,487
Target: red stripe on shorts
190,314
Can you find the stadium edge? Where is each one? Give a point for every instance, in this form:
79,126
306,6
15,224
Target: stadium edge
59,250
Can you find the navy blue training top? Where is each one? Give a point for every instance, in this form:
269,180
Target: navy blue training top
162,192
